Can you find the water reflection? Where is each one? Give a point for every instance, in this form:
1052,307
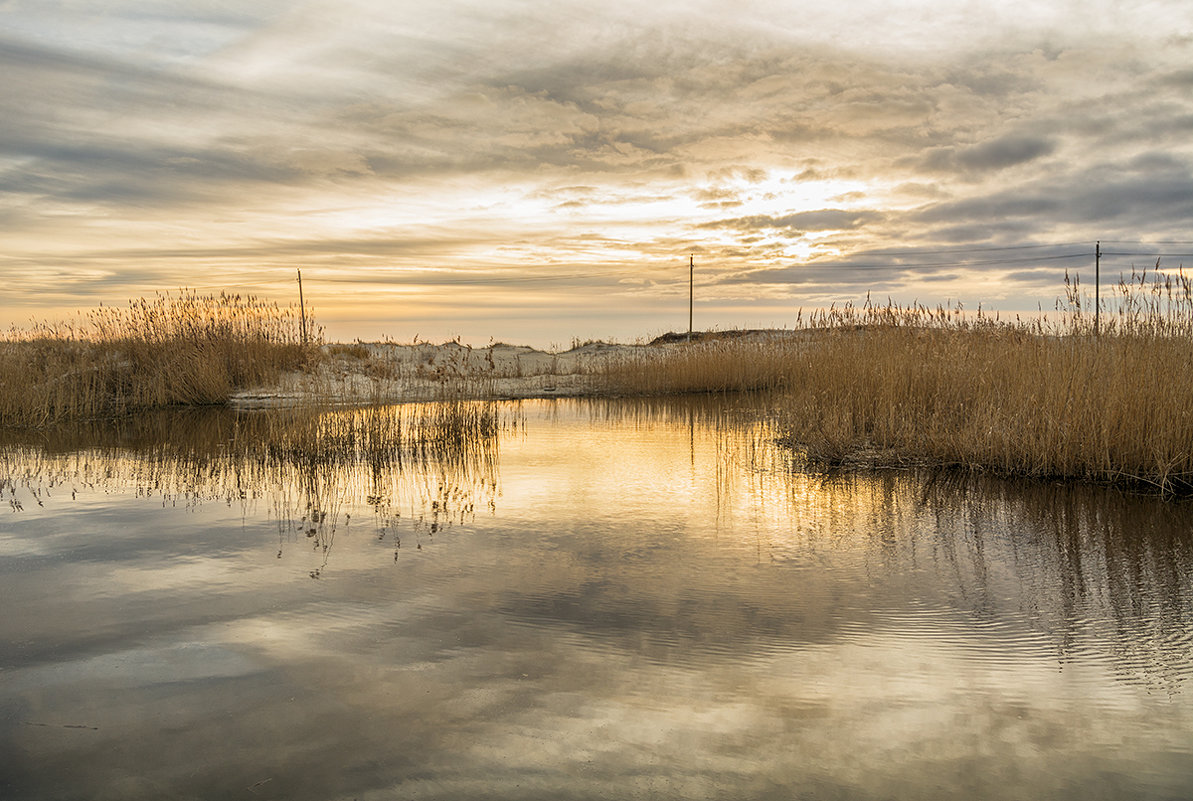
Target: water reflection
1089,568
435,464
622,598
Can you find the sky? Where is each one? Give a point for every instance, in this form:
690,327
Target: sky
538,172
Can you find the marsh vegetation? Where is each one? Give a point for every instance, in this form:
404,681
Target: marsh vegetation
1082,394
1098,397
179,348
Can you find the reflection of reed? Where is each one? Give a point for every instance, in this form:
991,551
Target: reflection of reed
435,463
1090,568
1083,566
710,411
1079,568
739,429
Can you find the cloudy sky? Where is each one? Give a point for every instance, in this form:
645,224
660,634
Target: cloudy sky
536,171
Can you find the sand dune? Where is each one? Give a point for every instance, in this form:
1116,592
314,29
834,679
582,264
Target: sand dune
393,373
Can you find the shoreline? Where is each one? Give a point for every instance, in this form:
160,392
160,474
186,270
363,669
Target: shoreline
384,373
389,372
863,392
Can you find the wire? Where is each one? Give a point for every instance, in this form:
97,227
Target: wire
1151,254
1156,242
447,281
894,263
931,252
231,286
970,263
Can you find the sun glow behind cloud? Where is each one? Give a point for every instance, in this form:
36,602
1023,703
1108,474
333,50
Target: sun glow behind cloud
532,172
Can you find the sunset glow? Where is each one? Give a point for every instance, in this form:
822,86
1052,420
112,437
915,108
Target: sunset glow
536,172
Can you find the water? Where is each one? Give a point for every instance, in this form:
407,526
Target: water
574,600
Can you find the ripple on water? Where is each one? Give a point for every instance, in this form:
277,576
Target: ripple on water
653,607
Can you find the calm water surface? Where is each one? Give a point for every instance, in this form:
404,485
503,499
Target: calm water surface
589,601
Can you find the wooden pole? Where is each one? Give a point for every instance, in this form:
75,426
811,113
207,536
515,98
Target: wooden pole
1098,288
691,273
302,309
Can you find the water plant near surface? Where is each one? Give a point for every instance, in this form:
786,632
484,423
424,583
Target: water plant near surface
177,348
431,464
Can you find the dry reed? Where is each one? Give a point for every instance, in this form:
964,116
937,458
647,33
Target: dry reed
182,348
886,385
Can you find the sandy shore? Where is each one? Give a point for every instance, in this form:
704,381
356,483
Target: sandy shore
393,373
387,372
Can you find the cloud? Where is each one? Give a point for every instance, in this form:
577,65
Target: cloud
1153,193
1180,79
311,132
993,155
800,222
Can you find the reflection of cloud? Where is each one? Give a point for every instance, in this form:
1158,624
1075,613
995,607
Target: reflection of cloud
648,612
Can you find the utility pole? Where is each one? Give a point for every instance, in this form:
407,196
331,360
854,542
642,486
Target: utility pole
691,274
1097,288
302,309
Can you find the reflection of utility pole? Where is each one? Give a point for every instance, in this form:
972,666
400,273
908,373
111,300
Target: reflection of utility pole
302,309
691,273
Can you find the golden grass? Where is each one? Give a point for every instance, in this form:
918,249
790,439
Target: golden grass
890,385
1106,400
182,348
708,364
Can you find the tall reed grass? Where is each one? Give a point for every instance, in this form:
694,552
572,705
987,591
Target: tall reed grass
177,348
888,385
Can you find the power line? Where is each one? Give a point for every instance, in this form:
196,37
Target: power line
447,280
1154,242
942,251
965,263
526,279
1149,253
233,286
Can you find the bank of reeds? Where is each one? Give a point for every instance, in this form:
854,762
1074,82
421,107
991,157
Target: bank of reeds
885,385
177,348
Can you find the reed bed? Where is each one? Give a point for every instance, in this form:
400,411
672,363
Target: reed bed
177,348
709,363
1104,400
